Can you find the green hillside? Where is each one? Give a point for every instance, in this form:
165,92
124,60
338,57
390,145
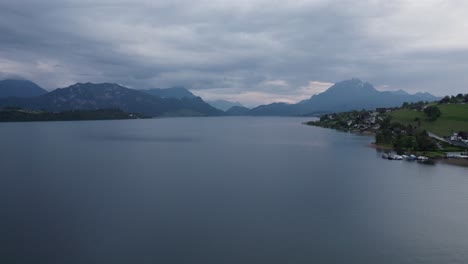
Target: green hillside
454,118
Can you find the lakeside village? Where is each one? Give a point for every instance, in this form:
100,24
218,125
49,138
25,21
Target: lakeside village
405,130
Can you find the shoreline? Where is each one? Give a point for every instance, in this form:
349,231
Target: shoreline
455,162
443,160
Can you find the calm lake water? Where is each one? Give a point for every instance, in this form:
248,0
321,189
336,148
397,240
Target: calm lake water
220,190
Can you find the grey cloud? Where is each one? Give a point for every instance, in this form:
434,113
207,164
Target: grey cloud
237,45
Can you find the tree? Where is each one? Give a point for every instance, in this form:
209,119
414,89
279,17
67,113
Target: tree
432,112
324,118
410,129
417,119
406,142
463,134
445,100
425,143
385,123
385,136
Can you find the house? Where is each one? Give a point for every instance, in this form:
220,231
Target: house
458,137
455,137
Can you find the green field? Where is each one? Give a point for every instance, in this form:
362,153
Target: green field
454,118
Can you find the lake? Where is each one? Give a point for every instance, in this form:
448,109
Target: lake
221,190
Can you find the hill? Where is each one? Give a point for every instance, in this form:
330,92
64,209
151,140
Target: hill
343,96
20,88
89,96
237,111
275,109
173,92
224,104
453,118
410,128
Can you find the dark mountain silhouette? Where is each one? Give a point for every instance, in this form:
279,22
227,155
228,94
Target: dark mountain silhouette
20,88
237,111
224,104
275,109
173,92
89,96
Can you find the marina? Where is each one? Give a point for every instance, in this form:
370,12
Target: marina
412,157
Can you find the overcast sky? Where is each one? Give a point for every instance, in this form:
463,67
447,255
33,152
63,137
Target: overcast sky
252,51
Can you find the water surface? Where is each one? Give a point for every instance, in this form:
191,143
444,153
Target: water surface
220,190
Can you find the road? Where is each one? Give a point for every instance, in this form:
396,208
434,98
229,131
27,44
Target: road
451,142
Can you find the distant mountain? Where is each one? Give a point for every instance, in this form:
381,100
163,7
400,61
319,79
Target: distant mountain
274,109
420,96
89,96
426,97
355,94
237,111
344,96
399,92
173,92
223,104
20,88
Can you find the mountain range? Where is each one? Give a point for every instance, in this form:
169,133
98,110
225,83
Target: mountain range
90,96
181,92
343,96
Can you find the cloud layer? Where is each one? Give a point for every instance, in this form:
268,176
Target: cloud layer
253,51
